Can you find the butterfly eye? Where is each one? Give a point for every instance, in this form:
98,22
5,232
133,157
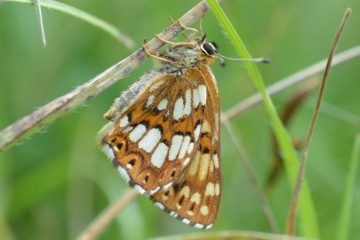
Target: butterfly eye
209,48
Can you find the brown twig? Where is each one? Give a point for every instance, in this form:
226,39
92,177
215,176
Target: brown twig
231,235
291,222
48,113
291,107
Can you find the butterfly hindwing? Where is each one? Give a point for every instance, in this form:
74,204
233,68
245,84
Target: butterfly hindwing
195,197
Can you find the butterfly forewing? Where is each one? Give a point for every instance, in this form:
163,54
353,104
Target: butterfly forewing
154,139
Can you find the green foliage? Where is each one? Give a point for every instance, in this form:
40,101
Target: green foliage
54,183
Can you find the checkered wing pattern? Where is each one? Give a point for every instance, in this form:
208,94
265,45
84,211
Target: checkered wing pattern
163,139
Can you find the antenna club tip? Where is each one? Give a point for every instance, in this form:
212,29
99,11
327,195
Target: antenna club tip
265,60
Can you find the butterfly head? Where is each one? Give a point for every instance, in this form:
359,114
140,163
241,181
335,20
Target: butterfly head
208,52
209,48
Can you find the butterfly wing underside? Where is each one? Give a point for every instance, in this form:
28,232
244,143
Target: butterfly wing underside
163,139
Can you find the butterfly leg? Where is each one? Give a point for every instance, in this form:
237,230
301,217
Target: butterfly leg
155,56
180,44
201,27
184,27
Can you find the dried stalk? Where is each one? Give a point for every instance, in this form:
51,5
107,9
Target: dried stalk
50,112
291,222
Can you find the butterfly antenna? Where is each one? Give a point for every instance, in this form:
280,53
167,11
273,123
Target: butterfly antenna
261,60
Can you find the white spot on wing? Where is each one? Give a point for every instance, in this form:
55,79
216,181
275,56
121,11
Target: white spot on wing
150,100
184,147
217,189
206,127
186,221
190,148
190,213
194,165
159,155
139,189
124,174
199,225
166,186
172,213
162,105
128,129
196,98
164,198
150,140
160,205
202,94
196,197
179,108
211,166
137,132
216,160
175,146
156,85
197,132
210,189
204,166
124,121
204,210
186,161
108,151
116,149
154,190
187,108
185,191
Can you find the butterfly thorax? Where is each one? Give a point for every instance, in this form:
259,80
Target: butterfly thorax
182,58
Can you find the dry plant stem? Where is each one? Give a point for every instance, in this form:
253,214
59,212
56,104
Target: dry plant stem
48,113
294,103
229,235
291,80
291,107
110,213
252,176
290,228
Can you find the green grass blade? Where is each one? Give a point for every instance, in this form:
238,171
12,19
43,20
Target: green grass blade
344,223
95,21
307,214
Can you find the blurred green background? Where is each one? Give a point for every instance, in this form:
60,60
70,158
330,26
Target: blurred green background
54,183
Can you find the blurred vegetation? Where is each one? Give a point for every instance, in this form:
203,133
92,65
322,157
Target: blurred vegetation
54,183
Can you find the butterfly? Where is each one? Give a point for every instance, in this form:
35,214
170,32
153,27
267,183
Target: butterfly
164,133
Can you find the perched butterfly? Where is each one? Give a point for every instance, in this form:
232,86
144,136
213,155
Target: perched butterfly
164,134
